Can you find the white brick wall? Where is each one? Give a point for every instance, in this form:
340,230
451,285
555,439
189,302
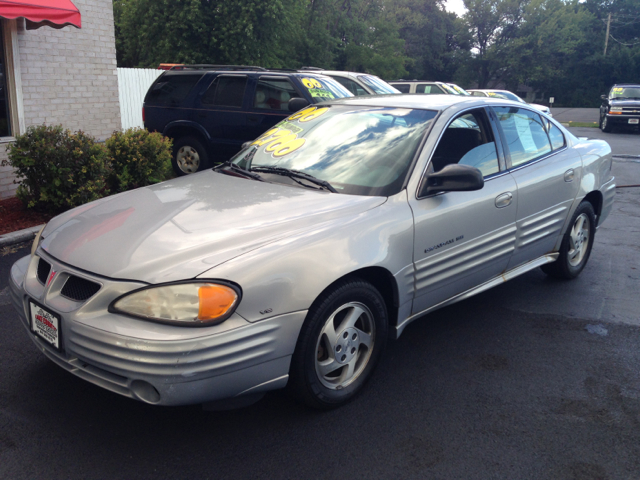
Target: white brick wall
69,77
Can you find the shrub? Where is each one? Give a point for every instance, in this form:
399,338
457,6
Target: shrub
57,169
137,158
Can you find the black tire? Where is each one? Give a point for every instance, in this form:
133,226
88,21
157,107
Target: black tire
337,309
605,125
189,156
574,254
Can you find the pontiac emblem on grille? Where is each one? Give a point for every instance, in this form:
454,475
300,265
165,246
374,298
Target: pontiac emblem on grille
51,275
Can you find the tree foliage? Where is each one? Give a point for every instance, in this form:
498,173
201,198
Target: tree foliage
553,46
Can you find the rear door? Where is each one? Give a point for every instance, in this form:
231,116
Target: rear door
222,111
547,174
463,239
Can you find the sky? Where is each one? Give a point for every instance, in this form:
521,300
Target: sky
456,6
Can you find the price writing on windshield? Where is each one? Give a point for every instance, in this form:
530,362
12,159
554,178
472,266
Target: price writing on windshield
308,114
279,141
316,89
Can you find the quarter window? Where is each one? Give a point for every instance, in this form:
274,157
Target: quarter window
226,91
525,134
274,94
171,89
555,135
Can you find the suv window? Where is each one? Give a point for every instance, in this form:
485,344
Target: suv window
226,91
350,85
428,89
525,134
171,89
274,93
468,140
402,87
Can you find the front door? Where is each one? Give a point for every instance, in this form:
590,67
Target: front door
463,239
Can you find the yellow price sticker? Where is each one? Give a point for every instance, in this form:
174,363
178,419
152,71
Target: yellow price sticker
280,142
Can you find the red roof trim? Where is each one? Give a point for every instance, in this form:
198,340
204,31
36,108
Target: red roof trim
58,12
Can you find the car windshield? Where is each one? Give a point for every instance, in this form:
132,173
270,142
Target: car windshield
448,89
507,95
498,95
324,88
625,92
358,150
377,85
461,91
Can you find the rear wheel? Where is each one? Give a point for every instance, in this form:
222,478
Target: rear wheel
189,156
339,345
576,244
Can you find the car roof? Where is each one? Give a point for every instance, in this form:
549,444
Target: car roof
427,102
626,85
321,71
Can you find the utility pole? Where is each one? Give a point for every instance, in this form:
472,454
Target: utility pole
606,40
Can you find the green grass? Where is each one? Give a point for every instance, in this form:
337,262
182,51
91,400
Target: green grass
583,124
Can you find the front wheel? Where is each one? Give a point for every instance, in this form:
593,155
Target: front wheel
605,125
340,343
576,244
189,156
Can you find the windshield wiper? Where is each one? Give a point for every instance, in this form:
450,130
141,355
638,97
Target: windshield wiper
294,174
242,171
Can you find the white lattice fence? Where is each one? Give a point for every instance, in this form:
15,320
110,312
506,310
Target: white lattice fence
133,84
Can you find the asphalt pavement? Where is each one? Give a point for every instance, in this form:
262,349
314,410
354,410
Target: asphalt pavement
535,379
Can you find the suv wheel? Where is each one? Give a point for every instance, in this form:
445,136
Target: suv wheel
605,125
189,156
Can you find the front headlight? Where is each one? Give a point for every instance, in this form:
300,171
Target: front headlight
195,304
37,240
617,110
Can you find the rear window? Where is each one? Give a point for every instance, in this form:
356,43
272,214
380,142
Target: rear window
171,89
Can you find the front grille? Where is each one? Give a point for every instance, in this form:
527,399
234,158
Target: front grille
44,268
79,289
631,110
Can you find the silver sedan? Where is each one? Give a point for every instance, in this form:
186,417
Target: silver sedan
295,262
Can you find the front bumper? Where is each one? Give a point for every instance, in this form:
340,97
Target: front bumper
623,119
155,363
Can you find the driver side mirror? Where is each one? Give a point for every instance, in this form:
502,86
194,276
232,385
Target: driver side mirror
604,97
452,178
297,103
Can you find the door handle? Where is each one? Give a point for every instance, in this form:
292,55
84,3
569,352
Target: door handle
202,114
568,175
504,200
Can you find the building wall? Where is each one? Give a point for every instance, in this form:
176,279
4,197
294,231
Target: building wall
69,77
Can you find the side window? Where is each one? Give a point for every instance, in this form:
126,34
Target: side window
171,89
352,86
525,134
274,93
428,89
555,135
468,140
402,87
477,94
226,91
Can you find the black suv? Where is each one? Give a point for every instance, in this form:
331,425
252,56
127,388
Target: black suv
620,107
211,110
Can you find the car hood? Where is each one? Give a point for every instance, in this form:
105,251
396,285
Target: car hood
181,228
624,103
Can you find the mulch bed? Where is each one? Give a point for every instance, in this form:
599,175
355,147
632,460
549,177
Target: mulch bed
14,216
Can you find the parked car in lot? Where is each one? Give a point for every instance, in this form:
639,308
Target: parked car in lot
421,86
358,84
510,96
295,262
211,110
620,107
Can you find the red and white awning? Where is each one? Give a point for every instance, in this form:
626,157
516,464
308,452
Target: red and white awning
55,13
